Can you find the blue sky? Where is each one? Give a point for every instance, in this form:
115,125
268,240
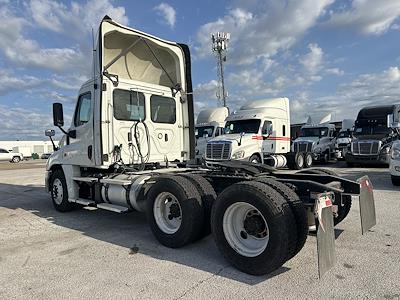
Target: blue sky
327,56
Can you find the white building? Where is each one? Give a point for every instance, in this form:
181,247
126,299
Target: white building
28,147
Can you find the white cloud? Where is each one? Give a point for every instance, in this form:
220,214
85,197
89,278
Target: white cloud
75,19
26,52
366,90
334,71
368,16
21,123
272,26
9,82
167,12
313,60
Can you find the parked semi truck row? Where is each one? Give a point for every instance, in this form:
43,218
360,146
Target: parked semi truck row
131,144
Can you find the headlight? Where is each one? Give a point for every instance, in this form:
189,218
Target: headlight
385,150
317,149
395,152
238,155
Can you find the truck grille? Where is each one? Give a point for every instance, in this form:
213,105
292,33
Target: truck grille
365,147
302,146
218,150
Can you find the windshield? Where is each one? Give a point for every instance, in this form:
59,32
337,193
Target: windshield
317,131
344,134
372,130
201,131
239,126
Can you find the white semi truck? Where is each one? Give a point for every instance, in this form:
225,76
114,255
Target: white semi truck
210,123
258,132
130,145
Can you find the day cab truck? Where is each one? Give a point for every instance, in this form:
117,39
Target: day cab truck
375,129
209,124
130,147
319,140
259,132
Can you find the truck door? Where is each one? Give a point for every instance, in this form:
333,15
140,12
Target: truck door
80,150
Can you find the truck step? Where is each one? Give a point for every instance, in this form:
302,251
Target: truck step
113,207
83,201
85,179
115,181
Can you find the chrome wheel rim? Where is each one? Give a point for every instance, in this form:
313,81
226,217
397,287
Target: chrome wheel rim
57,191
167,213
309,160
300,161
245,229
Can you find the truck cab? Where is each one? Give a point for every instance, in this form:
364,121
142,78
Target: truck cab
373,135
317,139
258,132
210,123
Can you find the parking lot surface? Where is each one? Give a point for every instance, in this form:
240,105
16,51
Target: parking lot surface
99,254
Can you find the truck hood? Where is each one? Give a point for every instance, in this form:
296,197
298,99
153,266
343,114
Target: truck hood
233,138
310,139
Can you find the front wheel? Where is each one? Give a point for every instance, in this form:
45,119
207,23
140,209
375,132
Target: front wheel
308,160
255,158
395,180
16,159
59,192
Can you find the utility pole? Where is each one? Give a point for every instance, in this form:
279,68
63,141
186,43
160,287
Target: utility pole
219,47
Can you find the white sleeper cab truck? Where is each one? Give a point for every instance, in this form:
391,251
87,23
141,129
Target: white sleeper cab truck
318,141
130,147
13,157
210,123
259,132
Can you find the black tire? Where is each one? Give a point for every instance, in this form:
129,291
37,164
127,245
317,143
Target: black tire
298,209
299,161
325,157
255,158
208,196
64,205
16,159
281,226
395,180
308,160
191,209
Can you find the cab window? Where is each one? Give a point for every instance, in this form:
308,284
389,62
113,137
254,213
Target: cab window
83,110
128,105
163,109
3,151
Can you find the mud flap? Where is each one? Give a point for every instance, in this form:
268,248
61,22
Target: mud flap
367,204
325,233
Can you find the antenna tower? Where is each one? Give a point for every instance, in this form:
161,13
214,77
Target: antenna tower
219,47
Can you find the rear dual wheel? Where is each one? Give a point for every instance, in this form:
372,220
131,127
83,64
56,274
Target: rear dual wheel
254,227
300,160
174,211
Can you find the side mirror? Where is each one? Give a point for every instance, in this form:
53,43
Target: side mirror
391,122
58,115
50,132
